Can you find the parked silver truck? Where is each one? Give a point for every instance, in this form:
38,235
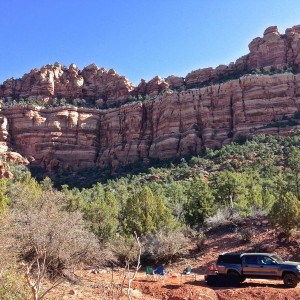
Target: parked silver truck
236,267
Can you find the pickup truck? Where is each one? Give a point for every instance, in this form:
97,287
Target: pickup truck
239,266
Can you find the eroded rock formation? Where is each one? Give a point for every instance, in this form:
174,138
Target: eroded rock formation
107,88
273,50
168,124
172,125
56,81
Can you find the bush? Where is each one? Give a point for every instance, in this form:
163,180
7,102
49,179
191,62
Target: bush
246,235
222,217
125,249
201,238
13,286
43,226
285,213
164,247
8,255
49,240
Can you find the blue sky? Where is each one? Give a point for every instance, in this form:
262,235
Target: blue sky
138,38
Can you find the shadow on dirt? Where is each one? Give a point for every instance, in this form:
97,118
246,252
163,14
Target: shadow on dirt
224,285
172,286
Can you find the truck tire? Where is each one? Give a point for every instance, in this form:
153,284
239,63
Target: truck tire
234,274
290,280
234,278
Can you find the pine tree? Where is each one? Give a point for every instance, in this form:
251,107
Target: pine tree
101,210
285,212
145,213
200,203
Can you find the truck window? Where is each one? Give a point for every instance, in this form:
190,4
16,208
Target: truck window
229,259
265,260
251,260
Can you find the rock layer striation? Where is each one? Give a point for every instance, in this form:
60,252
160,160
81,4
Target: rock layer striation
169,123
173,124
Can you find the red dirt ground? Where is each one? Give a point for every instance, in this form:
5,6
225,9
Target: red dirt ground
173,287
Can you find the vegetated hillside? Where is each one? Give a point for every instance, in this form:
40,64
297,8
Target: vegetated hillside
97,119
169,208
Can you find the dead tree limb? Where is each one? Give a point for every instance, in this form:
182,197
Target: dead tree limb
137,266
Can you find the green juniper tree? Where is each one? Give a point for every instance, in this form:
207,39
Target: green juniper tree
200,203
145,213
285,212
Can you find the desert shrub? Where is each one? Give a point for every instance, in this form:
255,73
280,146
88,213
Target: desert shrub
188,232
164,247
125,250
8,255
222,217
145,212
101,211
200,240
43,226
13,285
49,240
200,203
246,235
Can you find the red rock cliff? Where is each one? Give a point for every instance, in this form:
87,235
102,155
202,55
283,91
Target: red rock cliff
170,124
173,124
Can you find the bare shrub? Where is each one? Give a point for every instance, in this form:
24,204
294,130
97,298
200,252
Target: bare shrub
200,240
246,235
258,212
125,249
163,247
189,232
51,241
222,217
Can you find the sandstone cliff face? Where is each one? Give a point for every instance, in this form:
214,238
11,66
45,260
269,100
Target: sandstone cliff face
169,124
172,125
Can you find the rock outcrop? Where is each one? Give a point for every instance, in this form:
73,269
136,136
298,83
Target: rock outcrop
169,124
152,88
56,81
273,50
108,89
173,124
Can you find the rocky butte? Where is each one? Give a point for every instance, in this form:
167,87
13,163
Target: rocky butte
259,93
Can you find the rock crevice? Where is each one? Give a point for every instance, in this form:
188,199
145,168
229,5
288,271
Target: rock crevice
171,125
171,120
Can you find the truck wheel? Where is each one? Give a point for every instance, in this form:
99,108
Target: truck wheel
234,277
290,280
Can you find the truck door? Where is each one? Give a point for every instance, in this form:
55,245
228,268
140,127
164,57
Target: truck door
268,266
250,265
259,265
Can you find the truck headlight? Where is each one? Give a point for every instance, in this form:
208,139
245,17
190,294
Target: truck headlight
298,267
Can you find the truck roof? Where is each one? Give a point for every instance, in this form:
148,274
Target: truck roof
229,258
246,253
253,253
